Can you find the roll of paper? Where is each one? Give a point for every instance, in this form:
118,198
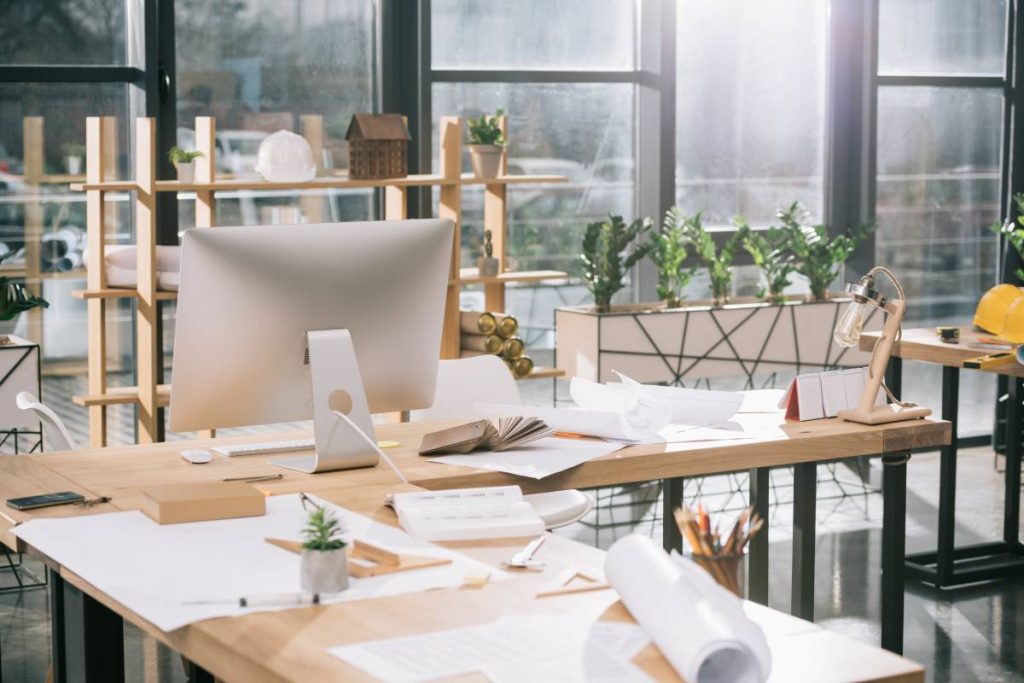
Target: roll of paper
490,343
477,322
699,626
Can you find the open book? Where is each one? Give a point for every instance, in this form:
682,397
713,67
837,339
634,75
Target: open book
510,433
466,514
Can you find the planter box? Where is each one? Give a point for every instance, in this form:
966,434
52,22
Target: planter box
698,342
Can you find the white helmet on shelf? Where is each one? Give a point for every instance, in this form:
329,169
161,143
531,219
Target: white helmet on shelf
285,157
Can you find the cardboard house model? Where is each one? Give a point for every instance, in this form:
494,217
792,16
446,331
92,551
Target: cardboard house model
378,146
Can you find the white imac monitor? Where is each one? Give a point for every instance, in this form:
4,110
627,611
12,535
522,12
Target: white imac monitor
292,322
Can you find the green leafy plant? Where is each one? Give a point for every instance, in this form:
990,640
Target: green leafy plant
771,253
605,261
668,252
177,155
485,130
322,531
74,150
1014,231
818,257
14,299
717,260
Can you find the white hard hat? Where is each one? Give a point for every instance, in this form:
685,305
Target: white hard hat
285,157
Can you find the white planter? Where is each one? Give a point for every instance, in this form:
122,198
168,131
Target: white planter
486,160
324,571
488,267
186,171
73,165
700,342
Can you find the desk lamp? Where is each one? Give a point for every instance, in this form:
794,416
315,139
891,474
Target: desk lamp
847,333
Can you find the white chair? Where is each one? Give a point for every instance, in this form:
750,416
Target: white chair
486,379
57,436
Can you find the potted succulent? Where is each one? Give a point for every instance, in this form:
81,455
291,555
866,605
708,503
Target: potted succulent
324,564
668,252
818,257
718,261
184,163
771,253
605,257
486,144
74,158
488,265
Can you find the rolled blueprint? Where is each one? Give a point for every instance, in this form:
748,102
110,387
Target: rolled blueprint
642,415
477,322
490,343
699,626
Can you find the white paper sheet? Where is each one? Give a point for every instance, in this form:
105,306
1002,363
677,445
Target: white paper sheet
154,569
512,649
761,400
698,625
700,407
540,459
603,425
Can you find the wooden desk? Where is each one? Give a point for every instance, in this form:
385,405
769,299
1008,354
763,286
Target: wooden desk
950,565
291,645
121,472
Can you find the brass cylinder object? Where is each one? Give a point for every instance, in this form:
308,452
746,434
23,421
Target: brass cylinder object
521,367
477,322
507,327
488,343
513,348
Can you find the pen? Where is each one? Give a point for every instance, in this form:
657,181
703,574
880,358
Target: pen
281,600
264,477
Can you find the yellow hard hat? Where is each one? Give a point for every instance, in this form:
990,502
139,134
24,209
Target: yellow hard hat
1013,324
994,305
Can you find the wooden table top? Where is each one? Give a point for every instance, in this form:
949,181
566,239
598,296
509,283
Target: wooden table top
922,344
291,645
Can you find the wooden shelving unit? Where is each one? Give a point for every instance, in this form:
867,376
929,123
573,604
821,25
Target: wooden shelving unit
149,396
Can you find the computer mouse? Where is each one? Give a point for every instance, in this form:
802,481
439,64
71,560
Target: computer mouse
197,456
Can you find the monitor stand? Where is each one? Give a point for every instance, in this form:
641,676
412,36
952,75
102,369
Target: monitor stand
342,427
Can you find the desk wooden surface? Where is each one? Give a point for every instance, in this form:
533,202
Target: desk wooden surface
291,645
922,344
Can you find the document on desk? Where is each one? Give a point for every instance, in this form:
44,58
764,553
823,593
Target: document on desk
536,460
512,649
176,574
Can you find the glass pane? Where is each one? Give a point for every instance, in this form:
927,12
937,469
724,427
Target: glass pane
750,121
68,32
259,67
533,34
942,37
939,156
42,138
582,131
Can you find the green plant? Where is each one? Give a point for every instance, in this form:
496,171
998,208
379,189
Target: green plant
771,252
177,155
74,150
14,299
818,257
322,531
605,261
1014,231
485,130
668,252
717,260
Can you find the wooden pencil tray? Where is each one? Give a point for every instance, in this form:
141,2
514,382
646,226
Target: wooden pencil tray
367,560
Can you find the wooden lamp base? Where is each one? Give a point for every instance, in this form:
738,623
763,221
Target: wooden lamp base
883,414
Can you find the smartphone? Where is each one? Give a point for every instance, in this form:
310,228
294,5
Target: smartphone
45,500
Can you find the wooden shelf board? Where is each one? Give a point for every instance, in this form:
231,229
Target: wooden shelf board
471,276
107,186
542,372
118,293
470,179
123,396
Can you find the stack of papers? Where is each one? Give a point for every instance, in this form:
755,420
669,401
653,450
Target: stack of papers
511,649
467,514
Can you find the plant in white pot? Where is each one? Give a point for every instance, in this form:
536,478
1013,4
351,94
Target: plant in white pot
184,163
486,144
74,158
324,564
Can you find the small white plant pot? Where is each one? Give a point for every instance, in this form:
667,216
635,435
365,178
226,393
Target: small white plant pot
73,165
486,160
488,267
324,571
186,171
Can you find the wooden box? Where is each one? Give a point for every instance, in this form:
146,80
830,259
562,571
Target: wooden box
177,503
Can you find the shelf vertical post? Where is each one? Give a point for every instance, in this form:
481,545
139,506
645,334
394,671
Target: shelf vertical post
96,274
311,127
148,309
206,170
34,160
112,218
395,207
496,220
451,207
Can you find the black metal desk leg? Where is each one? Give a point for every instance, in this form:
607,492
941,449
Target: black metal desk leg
894,376
947,480
196,674
805,481
757,560
1011,502
672,498
894,532
91,640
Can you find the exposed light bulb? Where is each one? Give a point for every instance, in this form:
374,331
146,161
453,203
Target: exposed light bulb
851,322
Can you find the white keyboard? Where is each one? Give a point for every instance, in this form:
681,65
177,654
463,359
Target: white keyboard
270,447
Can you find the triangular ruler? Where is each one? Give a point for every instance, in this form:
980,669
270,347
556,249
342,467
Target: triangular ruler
573,581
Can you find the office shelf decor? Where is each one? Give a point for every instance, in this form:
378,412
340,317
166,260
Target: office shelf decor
378,146
148,396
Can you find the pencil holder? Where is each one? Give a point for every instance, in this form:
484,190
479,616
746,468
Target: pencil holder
728,571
